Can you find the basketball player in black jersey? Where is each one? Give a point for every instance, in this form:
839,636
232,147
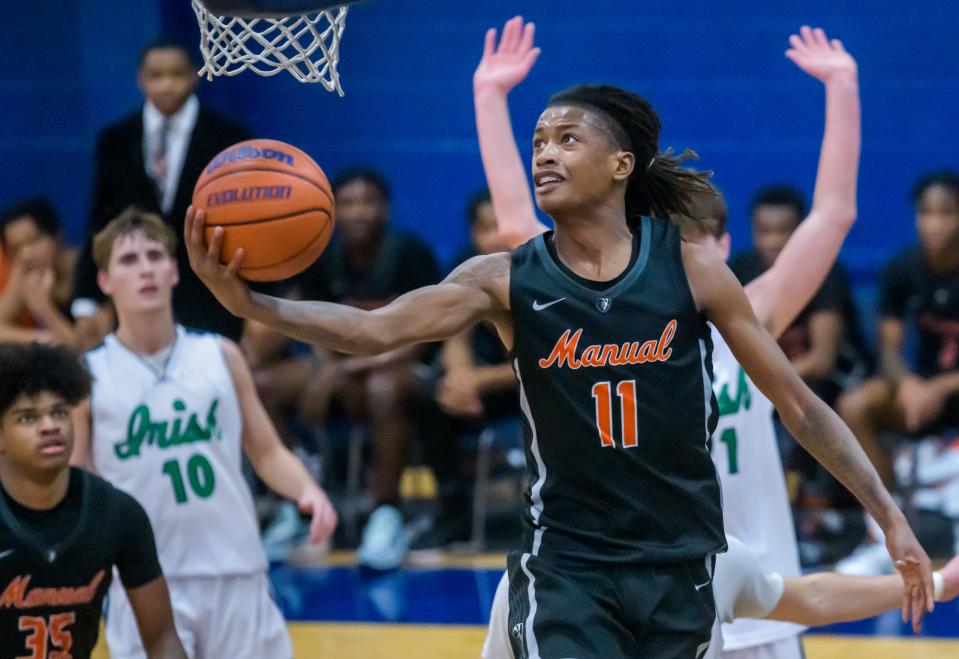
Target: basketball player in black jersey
63,530
605,318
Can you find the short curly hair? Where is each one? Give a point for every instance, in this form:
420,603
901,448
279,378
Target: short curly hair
32,368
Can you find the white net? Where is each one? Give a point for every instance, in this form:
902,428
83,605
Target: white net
306,45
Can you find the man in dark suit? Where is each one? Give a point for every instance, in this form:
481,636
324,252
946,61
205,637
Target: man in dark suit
152,159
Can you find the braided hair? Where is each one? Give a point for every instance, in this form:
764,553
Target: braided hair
659,185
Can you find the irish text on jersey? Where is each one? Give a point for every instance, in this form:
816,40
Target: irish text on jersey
183,428
16,595
566,351
729,404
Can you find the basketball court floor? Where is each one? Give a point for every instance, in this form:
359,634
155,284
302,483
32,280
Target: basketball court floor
437,606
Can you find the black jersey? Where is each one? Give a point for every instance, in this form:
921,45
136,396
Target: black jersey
56,565
910,291
616,391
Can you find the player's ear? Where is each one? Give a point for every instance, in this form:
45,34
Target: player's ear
725,245
623,164
103,281
176,271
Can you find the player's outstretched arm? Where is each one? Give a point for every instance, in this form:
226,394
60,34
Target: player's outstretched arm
787,287
745,588
154,615
477,290
502,68
820,431
827,598
273,462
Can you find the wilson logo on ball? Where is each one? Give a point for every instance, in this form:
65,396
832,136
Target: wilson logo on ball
244,153
270,199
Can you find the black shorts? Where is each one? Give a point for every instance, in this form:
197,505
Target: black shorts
560,609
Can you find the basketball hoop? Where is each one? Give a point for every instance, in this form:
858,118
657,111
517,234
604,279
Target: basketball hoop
269,36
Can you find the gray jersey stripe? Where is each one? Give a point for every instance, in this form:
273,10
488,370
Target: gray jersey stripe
707,387
532,645
537,508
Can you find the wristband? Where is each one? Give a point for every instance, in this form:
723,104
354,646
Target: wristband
938,585
83,307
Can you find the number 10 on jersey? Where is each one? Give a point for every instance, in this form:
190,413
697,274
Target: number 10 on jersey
199,473
629,422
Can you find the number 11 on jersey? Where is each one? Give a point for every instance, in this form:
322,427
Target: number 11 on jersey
603,395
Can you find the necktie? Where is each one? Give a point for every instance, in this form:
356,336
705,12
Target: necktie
158,161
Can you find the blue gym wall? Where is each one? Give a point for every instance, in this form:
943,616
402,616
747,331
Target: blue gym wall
714,70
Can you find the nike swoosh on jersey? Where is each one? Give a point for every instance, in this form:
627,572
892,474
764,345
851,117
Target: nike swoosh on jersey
4,554
700,586
539,307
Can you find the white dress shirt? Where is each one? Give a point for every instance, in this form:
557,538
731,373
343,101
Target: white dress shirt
179,130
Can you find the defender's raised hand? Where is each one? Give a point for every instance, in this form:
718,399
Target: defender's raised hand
820,57
506,66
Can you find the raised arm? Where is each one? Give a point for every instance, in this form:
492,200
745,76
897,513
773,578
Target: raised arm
720,297
476,290
786,288
501,69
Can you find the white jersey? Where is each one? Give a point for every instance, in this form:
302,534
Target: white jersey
755,502
171,439
743,587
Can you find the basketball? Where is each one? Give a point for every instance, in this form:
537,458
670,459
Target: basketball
272,200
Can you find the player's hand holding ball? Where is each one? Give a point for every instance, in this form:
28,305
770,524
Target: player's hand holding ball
222,280
262,211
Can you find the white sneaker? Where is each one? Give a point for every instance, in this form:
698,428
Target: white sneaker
385,540
868,560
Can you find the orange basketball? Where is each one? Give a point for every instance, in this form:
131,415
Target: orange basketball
272,200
